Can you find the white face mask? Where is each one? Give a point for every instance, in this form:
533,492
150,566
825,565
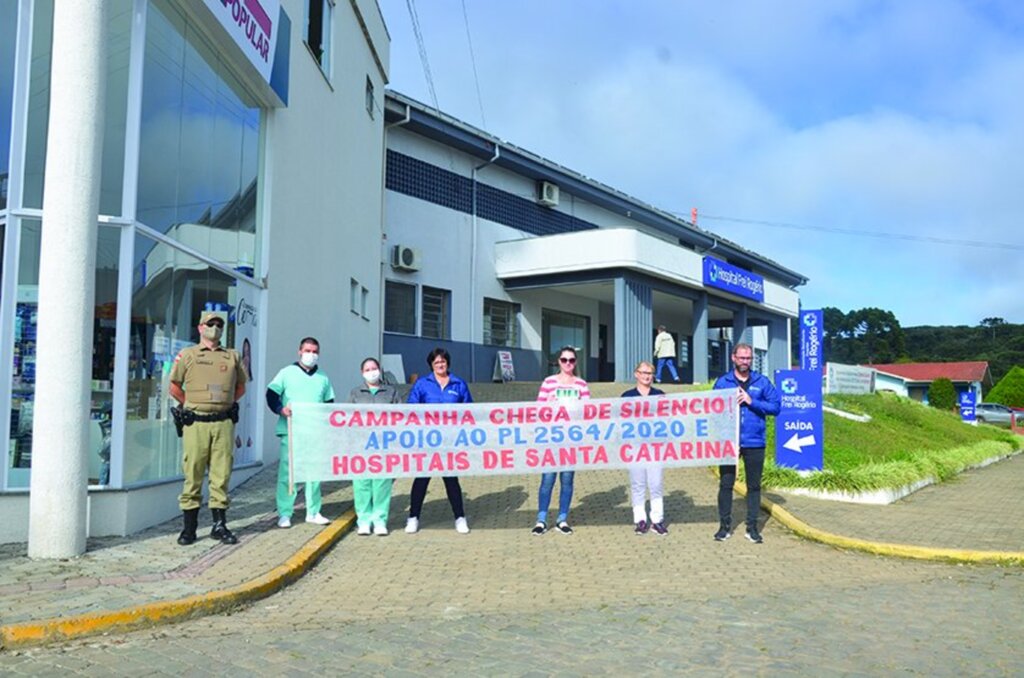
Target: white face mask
309,359
371,376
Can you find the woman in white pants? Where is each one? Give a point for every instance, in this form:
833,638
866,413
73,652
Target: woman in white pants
644,479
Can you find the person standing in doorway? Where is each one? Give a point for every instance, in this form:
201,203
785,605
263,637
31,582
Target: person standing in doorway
665,353
646,479
564,386
440,386
758,399
300,382
372,497
207,380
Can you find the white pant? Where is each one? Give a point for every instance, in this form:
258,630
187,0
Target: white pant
642,480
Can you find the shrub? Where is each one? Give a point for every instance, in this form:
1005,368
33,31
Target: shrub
942,394
1010,389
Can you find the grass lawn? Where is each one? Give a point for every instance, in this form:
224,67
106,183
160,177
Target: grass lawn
904,442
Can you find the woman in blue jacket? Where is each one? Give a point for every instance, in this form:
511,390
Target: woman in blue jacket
440,386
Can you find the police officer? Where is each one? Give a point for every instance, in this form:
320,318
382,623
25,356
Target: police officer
207,379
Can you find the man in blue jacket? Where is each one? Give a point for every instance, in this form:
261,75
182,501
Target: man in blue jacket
758,399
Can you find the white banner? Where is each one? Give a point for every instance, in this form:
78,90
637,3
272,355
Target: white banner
334,441
853,379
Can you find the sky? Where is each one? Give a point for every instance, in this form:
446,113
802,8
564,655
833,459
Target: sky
875,147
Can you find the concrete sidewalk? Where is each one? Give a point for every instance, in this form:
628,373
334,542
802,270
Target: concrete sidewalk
981,510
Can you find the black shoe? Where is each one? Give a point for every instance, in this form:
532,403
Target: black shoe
641,527
753,535
220,529
659,529
723,532
190,520
563,527
539,529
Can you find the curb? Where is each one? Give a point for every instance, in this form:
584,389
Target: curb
201,605
802,529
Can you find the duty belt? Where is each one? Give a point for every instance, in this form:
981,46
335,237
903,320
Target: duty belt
184,417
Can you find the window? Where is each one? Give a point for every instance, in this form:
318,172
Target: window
357,298
370,103
319,15
399,307
501,323
437,313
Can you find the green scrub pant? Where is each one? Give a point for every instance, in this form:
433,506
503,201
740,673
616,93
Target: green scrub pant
286,499
373,501
207,444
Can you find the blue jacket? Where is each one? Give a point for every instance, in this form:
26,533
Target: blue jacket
764,400
427,390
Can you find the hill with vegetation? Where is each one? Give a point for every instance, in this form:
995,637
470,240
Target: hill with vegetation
904,442
1000,344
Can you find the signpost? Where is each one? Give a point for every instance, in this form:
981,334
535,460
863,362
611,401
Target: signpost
967,400
812,326
799,428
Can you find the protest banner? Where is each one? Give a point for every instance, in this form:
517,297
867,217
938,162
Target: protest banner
340,441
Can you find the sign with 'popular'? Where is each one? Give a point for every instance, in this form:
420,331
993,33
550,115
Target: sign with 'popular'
336,441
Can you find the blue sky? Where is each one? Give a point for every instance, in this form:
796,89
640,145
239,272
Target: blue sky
822,122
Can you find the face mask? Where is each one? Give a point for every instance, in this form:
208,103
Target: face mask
212,333
371,376
309,359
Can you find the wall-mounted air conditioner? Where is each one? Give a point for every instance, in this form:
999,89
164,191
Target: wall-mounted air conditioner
405,258
547,193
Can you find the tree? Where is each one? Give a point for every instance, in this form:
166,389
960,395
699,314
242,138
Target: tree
868,335
1010,389
993,323
942,394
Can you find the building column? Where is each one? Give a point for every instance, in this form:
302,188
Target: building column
779,357
700,339
634,326
67,263
741,333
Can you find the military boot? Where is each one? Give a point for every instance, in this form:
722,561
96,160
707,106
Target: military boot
220,527
190,521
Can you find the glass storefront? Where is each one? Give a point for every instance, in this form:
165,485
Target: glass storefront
199,144
115,114
24,359
193,237
8,35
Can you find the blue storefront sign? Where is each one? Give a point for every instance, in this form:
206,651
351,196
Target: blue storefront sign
812,326
967,401
733,279
799,428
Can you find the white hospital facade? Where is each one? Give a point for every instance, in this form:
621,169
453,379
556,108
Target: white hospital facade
306,199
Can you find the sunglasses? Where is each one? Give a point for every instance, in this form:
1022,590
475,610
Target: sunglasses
567,361
215,323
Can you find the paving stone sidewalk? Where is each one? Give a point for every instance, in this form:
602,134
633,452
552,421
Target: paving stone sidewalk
982,509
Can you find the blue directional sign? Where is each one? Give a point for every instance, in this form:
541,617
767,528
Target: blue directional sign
967,401
812,326
799,428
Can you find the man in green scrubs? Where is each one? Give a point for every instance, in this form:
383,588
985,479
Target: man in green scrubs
300,382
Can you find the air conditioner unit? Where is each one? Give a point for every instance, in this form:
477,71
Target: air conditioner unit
547,193
405,258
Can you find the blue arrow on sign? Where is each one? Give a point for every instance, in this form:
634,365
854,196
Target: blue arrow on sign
799,427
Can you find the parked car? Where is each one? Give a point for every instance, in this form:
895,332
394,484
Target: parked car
993,413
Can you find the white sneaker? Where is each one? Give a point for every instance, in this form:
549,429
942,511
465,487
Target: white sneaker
318,519
380,530
363,530
461,526
412,526
284,521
